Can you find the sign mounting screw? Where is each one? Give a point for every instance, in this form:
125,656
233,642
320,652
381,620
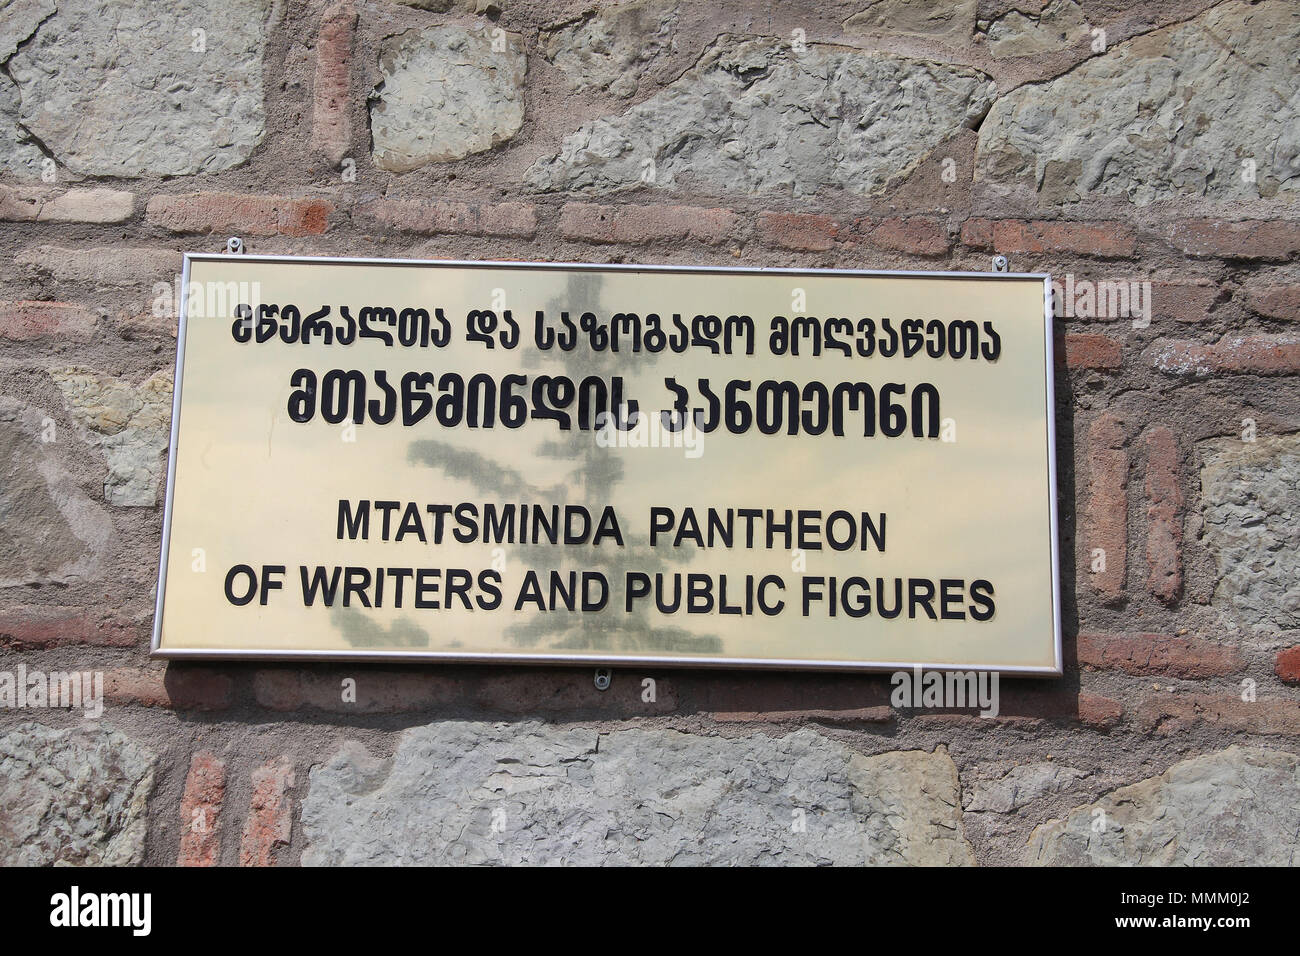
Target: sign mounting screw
235,246
603,677
1001,264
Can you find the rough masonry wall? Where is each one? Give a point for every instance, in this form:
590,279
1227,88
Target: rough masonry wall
1112,141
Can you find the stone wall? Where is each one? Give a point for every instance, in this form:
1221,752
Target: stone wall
1103,141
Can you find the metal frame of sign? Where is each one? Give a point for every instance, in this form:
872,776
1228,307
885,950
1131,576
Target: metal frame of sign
391,656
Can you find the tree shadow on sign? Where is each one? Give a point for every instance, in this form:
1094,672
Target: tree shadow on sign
559,631
361,631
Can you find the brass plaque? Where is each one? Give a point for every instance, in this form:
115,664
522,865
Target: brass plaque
611,464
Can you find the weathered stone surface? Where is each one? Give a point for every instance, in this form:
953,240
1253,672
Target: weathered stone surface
18,155
18,21
755,117
1240,806
612,49
72,797
1021,786
953,22
469,792
1060,24
50,532
1172,113
118,88
1250,501
446,93
132,424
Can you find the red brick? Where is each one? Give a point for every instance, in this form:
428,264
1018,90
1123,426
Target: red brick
24,628
949,721
849,717
291,689
719,692
1088,350
1104,239
800,231
1031,706
205,788
23,321
179,688
1164,515
1168,713
921,237
1182,301
239,213
1019,700
1256,239
43,204
1106,508
269,825
1248,354
639,225
1056,702
977,233
1287,665
1158,655
1100,713
454,218
1275,301
331,124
